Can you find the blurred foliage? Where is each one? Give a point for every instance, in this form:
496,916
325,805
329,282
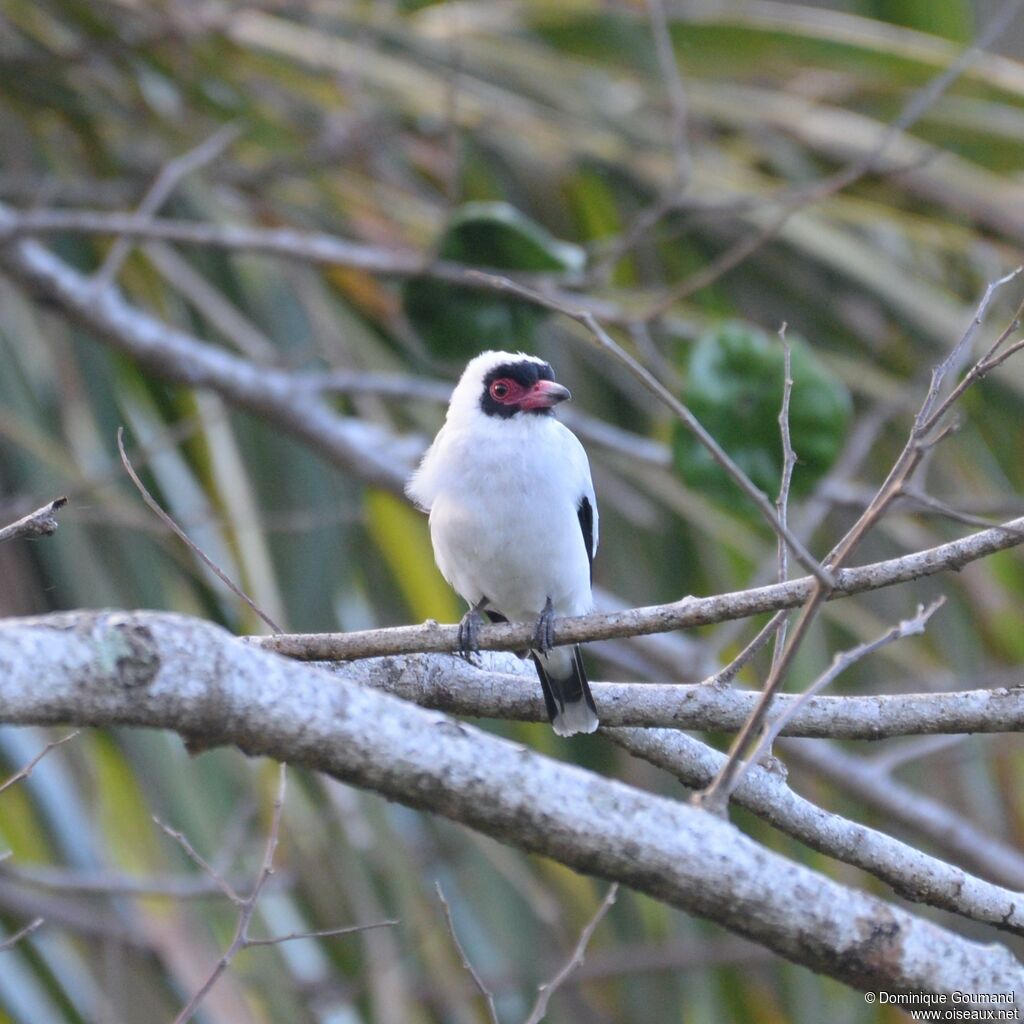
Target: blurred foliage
379,122
734,387
458,322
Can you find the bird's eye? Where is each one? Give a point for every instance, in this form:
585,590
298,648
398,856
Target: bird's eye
499,390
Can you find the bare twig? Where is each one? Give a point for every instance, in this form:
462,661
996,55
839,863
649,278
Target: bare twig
25,772
322,933
204,865
247,904
841,661
933,410
788,464
488,996
716,796
180,533
911,809
166,181
548,989
20,934
916,496
41,523
768,630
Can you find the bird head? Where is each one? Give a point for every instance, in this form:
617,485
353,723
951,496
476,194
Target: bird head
506,384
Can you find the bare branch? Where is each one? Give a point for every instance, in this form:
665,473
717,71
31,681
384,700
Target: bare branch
71,882
900,754
450,685
22,933
911,809
453,686
488,996
247,904
41,523
764,791
172,355
166,518
204,865
668,63
548,989
683,614
25,772
841,661
288,243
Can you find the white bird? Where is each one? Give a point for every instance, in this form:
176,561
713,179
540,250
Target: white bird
513,517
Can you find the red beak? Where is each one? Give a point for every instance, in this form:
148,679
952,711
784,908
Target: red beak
544,394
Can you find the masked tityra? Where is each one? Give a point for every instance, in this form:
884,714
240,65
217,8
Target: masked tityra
513,518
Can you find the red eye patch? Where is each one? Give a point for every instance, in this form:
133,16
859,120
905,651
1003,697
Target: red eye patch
506,391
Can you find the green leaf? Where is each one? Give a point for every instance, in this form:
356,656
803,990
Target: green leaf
953,19
735,387
457,322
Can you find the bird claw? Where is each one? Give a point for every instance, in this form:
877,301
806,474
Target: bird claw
544,634
469,628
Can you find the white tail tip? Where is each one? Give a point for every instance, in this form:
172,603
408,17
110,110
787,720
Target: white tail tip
576,718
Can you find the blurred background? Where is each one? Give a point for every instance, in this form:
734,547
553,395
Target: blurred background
552,140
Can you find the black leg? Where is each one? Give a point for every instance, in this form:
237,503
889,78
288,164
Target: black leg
469,627
544,635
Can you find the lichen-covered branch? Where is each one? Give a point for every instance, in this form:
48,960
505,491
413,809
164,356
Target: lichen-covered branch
171,672
452,685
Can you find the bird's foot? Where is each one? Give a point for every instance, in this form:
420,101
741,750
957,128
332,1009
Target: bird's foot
469,629
544,634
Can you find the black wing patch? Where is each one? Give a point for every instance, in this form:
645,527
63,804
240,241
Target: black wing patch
585,514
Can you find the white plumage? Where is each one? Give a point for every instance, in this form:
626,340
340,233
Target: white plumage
511,501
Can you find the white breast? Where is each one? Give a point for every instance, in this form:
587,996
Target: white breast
503,499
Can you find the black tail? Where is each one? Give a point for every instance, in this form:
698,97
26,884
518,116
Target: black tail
566,690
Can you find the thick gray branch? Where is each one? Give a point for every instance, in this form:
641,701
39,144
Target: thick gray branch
166,671
913,874
682,614
910,808
450,684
